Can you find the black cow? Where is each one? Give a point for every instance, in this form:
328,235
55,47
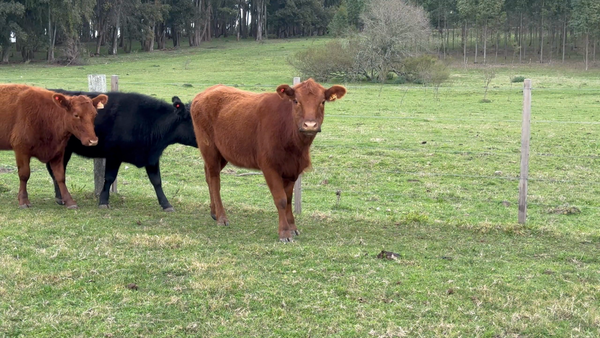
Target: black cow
136,129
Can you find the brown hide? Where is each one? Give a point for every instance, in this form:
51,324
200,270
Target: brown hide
36,122
271,132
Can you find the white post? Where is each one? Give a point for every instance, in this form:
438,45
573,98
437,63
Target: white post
97,83
298,184
114,87
525,136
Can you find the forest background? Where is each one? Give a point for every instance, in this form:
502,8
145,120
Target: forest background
69,31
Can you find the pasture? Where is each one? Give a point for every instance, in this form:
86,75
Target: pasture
430,175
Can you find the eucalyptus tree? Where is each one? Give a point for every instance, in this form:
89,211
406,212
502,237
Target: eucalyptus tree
585,20
9,26
179,19
442,15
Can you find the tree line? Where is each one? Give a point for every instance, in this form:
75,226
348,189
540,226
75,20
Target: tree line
527,29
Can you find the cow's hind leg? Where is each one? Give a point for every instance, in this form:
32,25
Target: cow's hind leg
24,172
57,194
289,191
213,164
57,166
110,175
153,172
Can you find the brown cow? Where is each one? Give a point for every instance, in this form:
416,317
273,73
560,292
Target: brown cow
271,132
36,122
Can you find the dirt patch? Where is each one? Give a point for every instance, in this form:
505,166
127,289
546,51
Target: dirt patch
6,170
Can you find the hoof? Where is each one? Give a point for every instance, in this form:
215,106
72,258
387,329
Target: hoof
286,240
73,206
224,222
103,206
295,232
169,209
213,216
25,206
59,201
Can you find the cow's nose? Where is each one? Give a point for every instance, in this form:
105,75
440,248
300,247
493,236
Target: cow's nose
310,125
93,142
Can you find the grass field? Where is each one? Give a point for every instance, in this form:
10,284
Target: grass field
432,176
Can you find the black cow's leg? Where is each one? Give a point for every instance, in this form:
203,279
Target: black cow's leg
110,175
153,172
57,194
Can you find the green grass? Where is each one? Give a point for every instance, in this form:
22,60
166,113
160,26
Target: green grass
432,177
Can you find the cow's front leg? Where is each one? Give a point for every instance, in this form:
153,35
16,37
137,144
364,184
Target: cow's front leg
278,190
57,166
110,175
289,191
153,172
24,172
57,194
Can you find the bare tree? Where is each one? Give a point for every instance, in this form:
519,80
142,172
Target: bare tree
489,73
393,30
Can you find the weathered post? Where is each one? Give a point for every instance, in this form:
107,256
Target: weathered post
114,87
97,83
298,184
525,136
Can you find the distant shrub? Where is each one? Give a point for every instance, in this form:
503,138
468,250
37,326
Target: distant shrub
342,59
399,80
517,79
333,60
424,69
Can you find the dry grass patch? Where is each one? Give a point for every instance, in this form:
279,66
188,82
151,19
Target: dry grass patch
155,242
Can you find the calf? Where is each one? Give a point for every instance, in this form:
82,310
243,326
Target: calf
136,129
271,132
36,122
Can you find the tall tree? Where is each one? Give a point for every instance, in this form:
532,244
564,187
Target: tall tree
585,20
9,11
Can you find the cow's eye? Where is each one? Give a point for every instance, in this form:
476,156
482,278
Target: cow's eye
295,101
76,116
323,103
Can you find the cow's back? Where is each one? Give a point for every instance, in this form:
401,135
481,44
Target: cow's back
26,113
233,120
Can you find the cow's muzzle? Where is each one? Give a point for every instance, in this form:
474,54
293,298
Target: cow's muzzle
92,143
310,127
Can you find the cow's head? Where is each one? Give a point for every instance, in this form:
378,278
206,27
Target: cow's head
308,103
185,128
81,112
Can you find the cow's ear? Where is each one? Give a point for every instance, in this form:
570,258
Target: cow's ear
61,101
334,93
286,91
99,101
176,102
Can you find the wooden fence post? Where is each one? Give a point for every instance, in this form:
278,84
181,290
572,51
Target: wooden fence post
298,184
114,87
97,83
525,136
